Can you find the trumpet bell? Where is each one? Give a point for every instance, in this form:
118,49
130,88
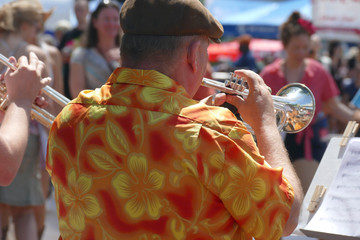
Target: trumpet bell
294,103
298,108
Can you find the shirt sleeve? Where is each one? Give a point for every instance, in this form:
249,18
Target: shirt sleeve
258,197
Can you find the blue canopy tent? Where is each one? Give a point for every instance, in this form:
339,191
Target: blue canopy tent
259,18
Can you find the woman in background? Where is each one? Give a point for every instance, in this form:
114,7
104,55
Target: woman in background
310,144
91,65
31,33
25,192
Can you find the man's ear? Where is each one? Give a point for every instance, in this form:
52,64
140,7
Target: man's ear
193,54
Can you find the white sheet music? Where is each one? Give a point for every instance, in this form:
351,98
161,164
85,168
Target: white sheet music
339,212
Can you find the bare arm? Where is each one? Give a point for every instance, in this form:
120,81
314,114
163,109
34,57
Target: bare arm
57,68
23,85
58,84
272,147
258,111
340,111
13,139
76,79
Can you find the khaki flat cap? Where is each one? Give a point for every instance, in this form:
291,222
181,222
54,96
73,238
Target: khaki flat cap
169,18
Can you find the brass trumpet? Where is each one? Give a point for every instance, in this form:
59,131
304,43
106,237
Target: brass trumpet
37,113
294,103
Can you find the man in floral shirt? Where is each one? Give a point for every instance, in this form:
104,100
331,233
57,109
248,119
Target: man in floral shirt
140,159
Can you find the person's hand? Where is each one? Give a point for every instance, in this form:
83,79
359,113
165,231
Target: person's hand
25,83
41,102
216,99
2,113
257,108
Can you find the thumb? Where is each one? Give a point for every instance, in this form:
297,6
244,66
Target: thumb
218,99
12,60
45,81
235,100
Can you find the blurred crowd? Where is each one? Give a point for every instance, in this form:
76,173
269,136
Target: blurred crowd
83,56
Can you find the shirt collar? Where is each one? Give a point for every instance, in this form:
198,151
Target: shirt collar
159,92
147,78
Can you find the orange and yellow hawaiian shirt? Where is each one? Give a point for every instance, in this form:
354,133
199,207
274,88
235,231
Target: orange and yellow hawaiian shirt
139,159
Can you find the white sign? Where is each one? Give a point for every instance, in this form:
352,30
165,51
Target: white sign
336,13
337,19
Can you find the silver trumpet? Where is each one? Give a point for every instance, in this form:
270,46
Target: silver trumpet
294,103
37,113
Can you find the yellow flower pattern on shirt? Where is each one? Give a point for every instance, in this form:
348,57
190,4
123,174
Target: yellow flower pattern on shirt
246,188
140,187
139,159
82,205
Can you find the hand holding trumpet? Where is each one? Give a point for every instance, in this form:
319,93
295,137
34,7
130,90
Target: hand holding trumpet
257,109
292,107
23,85
34,67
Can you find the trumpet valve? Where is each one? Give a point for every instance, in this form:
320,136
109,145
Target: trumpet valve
235,83
4,101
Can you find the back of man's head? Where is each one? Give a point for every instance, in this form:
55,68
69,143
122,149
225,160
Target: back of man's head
154,26
136,50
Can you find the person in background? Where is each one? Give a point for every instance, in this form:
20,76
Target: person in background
32,34
139,158
317,52
307,147
62,27
337,63
338,70
25,192
315,47
246,60
72,39
22,87
92,64
351,84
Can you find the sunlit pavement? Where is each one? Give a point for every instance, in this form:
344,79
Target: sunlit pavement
51,226
298,238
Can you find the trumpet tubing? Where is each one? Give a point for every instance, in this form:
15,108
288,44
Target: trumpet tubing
37,113
294,103
3,96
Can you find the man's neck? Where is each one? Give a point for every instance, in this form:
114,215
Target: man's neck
179,73
148,65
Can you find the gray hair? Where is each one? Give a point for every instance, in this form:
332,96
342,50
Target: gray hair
136,49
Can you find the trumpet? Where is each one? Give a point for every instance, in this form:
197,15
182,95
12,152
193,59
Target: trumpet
294,103
37,113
